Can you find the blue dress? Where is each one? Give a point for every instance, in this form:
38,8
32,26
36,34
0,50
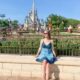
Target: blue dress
46,54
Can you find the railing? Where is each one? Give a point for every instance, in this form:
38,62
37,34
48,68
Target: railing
63,46
18,50
68,47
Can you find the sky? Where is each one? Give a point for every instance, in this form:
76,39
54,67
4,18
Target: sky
18,9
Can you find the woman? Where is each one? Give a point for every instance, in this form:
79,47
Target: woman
46,54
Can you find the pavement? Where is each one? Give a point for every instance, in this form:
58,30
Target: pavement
17,78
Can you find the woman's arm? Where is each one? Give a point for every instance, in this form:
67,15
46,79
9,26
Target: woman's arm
39,49
53,48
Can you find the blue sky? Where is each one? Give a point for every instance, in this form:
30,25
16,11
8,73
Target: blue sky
18,9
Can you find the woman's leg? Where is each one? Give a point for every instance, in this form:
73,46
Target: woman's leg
47,71
44,69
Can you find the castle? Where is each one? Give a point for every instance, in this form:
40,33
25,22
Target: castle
32,22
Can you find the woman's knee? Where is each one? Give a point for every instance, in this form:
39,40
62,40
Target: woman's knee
48,65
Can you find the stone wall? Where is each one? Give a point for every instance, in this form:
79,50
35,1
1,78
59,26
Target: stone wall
66,68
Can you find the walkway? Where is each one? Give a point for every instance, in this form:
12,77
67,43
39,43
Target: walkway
18,78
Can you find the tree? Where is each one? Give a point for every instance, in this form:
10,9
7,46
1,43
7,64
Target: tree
2,15
73,22
57,21
15,24
6,23
61,22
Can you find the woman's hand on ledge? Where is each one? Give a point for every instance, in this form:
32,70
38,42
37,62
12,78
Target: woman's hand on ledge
36,56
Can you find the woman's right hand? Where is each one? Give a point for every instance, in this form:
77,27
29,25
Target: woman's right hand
54,55
36,56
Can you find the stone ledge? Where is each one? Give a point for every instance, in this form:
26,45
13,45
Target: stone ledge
66,68
29,59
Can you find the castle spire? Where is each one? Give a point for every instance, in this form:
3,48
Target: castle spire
33,5
33,10
32,20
